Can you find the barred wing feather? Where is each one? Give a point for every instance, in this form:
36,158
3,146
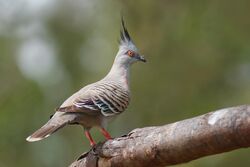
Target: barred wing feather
107,97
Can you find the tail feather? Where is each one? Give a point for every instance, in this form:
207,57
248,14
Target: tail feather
43,132
57,121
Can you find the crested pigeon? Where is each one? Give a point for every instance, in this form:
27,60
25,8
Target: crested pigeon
95,104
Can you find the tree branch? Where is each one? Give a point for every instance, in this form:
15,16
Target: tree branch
215,132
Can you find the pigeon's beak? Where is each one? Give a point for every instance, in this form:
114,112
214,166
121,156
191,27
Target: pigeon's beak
141,58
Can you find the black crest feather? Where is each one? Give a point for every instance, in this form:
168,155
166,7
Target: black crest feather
125,37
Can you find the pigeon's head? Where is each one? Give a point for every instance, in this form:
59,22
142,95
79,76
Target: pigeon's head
128,53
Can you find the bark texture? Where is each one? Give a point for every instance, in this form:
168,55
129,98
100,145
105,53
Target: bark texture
215,132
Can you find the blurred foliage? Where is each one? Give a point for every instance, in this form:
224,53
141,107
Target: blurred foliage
198,60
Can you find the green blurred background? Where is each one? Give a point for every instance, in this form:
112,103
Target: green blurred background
198,56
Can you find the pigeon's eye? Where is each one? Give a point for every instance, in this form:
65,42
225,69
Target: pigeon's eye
130,53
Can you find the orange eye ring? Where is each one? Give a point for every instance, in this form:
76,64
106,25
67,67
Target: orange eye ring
130,53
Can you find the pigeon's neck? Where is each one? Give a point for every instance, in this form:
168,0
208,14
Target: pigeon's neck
119,72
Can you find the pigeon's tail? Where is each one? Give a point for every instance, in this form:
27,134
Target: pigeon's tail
43,132
58,121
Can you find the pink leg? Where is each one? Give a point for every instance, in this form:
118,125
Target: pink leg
105,134
89,137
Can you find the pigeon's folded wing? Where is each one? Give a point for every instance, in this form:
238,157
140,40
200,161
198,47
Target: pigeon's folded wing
106,97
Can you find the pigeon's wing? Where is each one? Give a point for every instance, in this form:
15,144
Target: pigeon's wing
105,97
